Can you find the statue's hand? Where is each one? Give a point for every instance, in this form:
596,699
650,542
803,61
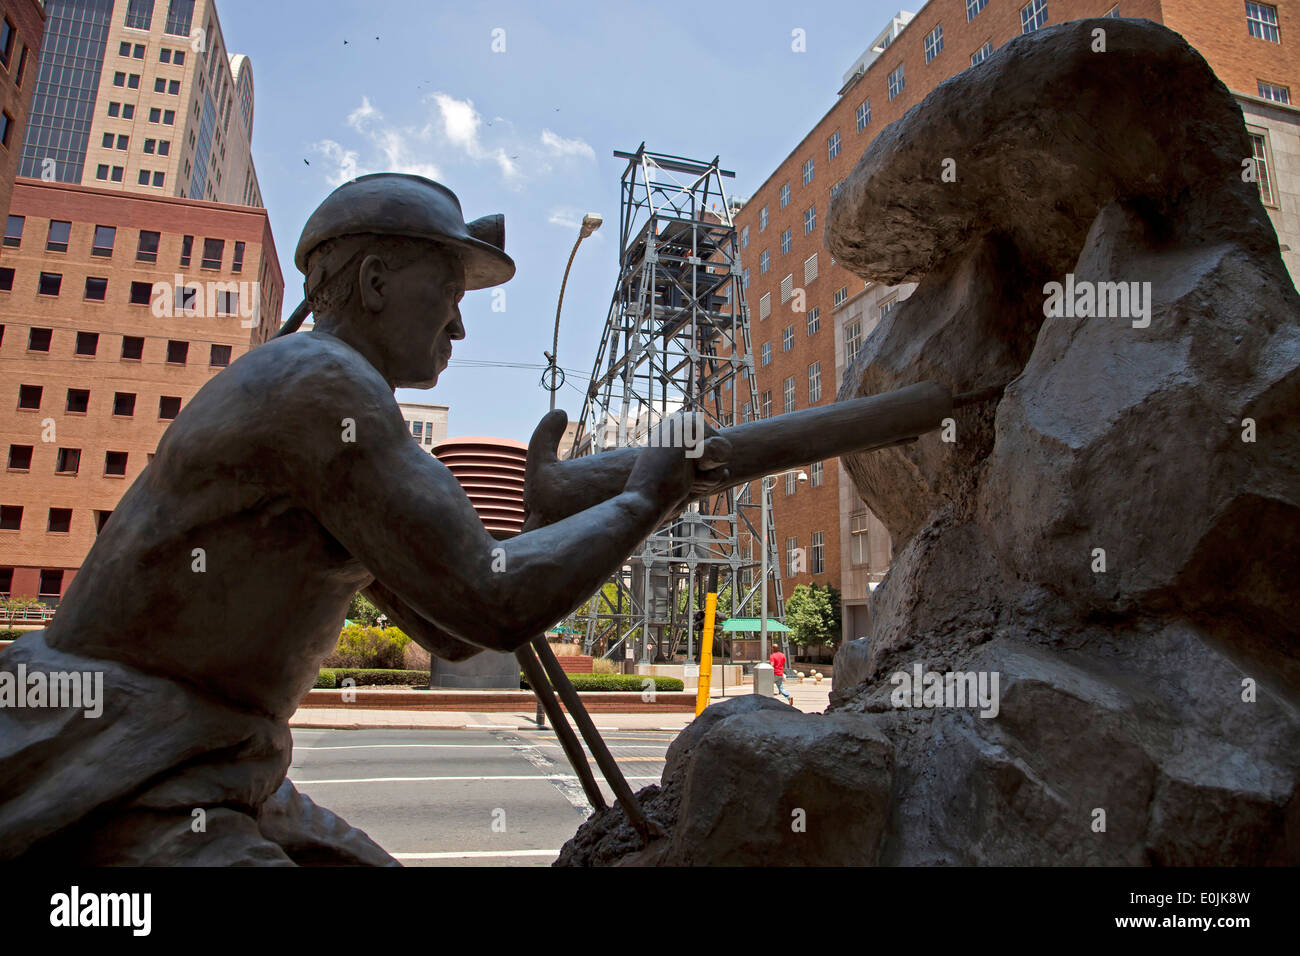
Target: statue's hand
543,478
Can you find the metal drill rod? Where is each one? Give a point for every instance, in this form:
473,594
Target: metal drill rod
604,759
568,739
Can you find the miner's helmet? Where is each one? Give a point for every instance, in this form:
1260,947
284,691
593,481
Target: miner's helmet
402,204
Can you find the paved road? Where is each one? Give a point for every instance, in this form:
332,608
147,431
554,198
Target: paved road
461,797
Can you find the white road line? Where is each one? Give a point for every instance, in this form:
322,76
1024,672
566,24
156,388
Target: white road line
473,854
416,747
555,778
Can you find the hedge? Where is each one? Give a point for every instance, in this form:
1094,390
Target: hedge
10,634
369,647
333,677
623,682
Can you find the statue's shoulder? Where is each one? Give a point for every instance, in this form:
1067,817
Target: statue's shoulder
308,365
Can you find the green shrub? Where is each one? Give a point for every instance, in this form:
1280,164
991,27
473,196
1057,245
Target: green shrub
10,634
333,677
620,682
369,647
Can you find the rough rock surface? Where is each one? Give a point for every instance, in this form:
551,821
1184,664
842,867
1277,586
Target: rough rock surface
1103,538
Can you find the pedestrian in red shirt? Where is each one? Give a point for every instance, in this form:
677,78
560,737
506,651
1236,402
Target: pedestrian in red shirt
777,660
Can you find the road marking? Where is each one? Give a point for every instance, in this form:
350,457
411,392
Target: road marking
523,776
473,854
416,747
570,786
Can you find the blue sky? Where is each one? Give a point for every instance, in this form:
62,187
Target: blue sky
529,132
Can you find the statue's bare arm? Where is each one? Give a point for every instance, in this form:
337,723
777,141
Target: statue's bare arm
402,514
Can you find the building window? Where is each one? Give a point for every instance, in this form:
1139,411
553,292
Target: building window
6,124
788,394
143,178
14,231
1271,91
896,82
213,251
38,340
810,219
101,519
766,353
146,249
933,42
7,35
744,278
11,517
787,288
745,413
791,482
133,81
219,356
762,219
78,401
115,463
132,347
852,340
128,111
815,472
814,320
124,404
814,383
982,54
833,145
764,306
1033,15
141,292
96,289
858,551
785,195
817,555
164,147
187,249
765,404
744,238
764,262
417,430
50,283
791,551
57,240
1263,169
177,352
1261,21
808,171
888,306
117,174
179,14
68,461
139,14
864,114
149,145
810,269
169,406
29,396
160,85
20,457
1112,13
6,282
973,7
840,297
51,585
787,338
101,171
102,245
785,242
87,343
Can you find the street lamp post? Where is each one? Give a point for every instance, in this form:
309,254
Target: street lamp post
590,223
763,678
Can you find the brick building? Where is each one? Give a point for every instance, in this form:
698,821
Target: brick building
808,315
22,23
101,346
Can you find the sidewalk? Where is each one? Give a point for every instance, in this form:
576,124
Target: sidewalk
810,697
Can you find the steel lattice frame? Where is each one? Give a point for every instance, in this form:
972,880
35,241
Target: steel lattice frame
676,337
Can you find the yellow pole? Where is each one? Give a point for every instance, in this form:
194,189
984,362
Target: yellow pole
706,654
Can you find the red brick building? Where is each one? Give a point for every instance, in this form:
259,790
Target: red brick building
114,310
808,315
22,22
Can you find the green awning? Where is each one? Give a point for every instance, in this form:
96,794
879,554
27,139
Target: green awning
751,624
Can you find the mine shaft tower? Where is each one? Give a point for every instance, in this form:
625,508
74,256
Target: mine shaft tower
676,339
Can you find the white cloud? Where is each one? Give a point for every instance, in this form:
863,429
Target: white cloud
452,126
566,147
567,218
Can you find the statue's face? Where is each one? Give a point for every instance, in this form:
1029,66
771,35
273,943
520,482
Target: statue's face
424,318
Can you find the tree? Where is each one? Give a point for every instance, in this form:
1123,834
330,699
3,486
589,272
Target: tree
11,607
361,611
813,614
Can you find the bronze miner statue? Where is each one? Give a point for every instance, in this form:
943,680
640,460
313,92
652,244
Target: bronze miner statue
288,484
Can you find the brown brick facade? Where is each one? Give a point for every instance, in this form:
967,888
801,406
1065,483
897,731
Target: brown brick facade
26,21
104,373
